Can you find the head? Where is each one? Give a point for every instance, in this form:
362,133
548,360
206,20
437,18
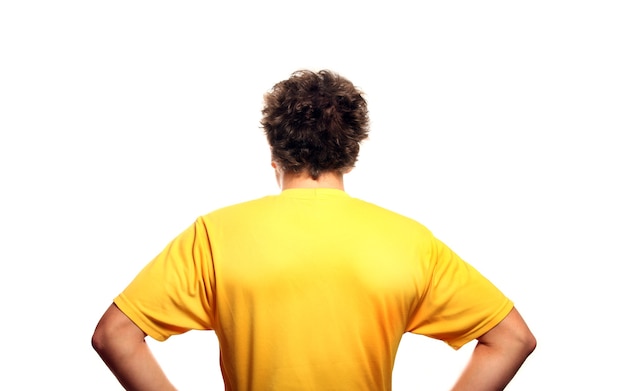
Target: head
314,123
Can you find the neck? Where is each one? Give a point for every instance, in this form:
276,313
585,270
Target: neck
328,180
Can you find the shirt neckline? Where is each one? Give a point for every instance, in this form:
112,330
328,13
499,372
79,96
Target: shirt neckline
317,192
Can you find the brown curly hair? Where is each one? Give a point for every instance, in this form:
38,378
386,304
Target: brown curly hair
315,121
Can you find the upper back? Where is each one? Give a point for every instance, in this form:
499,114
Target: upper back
318,279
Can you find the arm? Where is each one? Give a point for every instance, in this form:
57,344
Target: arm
121,345
498,355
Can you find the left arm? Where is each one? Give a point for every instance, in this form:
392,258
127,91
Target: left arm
121,345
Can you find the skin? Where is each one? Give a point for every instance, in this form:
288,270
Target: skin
497,357
329,180
122,346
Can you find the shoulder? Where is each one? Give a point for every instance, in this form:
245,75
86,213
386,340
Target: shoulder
245,208
348,210
388,215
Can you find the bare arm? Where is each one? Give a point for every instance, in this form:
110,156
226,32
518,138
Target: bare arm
122,346
498,355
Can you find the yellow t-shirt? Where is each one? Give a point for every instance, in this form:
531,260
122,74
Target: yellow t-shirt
311,289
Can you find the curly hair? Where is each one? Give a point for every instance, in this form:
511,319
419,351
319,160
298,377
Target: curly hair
315,121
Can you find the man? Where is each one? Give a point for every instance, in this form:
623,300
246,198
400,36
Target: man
311,289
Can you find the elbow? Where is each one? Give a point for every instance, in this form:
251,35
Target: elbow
528,343
99,340
511,335
521,342
116,334
106,334
109,343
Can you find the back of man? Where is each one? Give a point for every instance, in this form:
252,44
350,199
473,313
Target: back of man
311,290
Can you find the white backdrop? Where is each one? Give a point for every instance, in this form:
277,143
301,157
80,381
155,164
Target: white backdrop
499,126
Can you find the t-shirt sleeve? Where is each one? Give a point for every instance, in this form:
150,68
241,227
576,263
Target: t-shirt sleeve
174,292
458,304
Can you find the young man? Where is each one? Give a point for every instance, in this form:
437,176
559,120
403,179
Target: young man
311,289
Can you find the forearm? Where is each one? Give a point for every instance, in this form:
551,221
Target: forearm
489,369
121,345
498,355
135,367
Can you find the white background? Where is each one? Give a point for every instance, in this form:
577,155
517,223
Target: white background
498,125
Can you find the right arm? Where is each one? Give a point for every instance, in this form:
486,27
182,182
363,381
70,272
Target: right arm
498,355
